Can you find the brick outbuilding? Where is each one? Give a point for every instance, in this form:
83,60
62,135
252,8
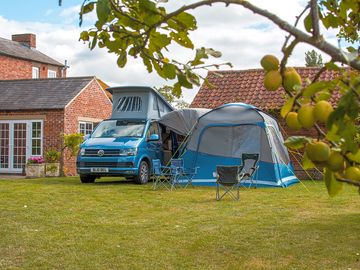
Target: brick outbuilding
35,113
19,59
247,86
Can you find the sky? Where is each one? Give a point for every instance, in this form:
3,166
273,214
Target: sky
241,36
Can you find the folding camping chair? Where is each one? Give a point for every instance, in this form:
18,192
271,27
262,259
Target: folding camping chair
162,175
180,174
228,178
249,168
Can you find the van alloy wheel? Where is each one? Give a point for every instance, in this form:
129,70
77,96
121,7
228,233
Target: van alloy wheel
143,174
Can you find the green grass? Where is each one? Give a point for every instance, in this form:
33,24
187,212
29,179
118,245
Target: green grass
61,224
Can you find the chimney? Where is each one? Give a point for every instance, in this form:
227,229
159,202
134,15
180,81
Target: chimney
28,40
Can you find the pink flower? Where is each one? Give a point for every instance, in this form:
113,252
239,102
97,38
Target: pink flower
35,160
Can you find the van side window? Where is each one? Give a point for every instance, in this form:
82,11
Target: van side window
153,129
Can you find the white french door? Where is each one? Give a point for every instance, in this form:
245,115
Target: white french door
19,139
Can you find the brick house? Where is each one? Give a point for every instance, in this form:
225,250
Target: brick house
35,113
19,59
247,86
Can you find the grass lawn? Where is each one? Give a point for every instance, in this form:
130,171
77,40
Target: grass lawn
61,224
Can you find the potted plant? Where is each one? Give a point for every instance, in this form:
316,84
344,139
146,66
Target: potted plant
35,167
52,166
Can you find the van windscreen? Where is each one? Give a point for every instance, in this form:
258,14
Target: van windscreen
119,128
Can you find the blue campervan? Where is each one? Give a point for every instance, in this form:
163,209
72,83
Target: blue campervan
125,144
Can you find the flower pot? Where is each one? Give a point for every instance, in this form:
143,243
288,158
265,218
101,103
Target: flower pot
52,169
35,170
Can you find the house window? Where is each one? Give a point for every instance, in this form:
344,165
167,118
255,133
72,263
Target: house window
86,128
51,73
129,104
36,138
35,73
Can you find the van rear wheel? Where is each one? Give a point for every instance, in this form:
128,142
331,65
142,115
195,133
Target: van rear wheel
143,174
86,179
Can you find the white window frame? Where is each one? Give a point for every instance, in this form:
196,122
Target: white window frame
85,129
51,73
28,142
36,138
35,72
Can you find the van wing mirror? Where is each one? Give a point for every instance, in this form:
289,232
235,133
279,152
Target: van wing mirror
154,137
86,137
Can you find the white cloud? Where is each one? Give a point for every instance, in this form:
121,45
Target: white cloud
241,36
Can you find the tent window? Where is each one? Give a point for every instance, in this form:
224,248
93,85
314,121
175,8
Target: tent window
278,146
129,104
231,141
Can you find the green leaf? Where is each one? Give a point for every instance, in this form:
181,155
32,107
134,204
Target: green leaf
183,81
332,66
177,90
182,39
213,53
102,11
147,63
296,142
169,71
93,43
351,49
333,186
187,20
158,41
314,88
84,35
147,6
286,108
122,59
354,157
323,95
308,23
87,8
306,163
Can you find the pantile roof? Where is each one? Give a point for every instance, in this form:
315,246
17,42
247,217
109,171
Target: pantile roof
246,86
40,94
19,50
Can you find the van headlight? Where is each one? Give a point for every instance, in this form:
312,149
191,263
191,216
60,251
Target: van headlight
128,152
82,151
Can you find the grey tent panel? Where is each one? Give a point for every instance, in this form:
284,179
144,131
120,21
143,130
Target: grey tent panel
182,121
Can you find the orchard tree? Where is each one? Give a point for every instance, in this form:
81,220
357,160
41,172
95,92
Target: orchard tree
145,29
166,91
313,59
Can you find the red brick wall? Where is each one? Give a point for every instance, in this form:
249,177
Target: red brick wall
13,68
93,103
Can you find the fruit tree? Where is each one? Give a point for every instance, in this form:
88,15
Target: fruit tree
145,29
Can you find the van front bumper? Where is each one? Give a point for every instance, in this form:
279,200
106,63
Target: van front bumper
122,166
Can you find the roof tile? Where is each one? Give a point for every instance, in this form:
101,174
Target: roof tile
246,86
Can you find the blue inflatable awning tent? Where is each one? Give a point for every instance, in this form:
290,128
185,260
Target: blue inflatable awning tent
220,136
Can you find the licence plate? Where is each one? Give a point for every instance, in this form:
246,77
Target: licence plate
99,170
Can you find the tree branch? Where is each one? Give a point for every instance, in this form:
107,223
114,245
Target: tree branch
314,11
337,54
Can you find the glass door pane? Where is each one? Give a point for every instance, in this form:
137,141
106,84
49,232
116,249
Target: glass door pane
4,145
19,149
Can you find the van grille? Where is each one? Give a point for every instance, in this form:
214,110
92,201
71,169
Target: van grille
107,152
106,164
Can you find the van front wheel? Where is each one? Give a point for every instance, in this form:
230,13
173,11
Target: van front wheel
85,179
143,174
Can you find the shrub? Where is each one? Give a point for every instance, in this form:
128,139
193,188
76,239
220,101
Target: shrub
52,155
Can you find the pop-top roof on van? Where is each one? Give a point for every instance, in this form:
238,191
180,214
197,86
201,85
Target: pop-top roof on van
138,102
